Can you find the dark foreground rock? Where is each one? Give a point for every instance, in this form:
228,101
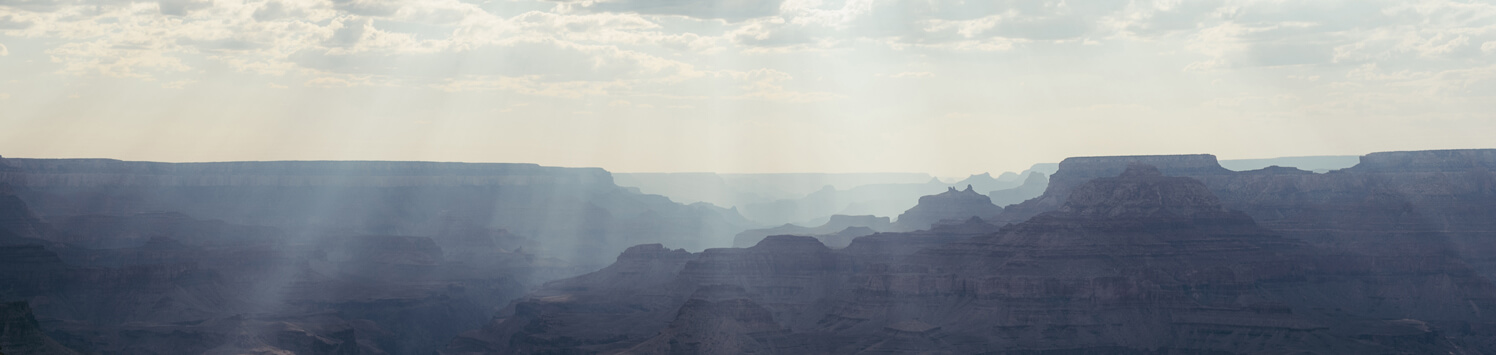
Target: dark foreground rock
21,335
304,257
1137,263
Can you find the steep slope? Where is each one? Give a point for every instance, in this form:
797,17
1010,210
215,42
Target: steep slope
1399,206
20,335
17,223
168,283
577,214
1078,170
1137,263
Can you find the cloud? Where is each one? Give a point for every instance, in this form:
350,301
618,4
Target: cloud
4,51
912,74
546,60
730,10
675,48
13,22
181,7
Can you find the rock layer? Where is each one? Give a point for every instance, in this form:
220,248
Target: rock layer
1137,263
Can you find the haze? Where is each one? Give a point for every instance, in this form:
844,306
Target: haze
938,86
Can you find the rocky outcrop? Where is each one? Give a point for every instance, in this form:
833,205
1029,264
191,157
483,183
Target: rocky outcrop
985,181
1400,207
835,224
949,205
1078,170
21,335
1140,262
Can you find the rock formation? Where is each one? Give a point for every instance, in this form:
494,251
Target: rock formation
836,224
1394,205
1076,171
985,181
952,204
1137,263
576,213
21,335
305,257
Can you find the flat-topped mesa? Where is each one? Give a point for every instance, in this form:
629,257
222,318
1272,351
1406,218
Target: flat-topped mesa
1183,164
1454,160
836,224
1141,191
789,244
1078,170
952,204
651,252
1137,209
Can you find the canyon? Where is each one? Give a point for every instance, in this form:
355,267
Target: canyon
1143,254
1119,254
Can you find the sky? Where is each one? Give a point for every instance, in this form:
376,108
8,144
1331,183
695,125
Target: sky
947,87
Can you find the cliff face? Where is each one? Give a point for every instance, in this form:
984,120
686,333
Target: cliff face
1137,263
130,265
20,334
17,223
1402,208
949,205
574,213
1078,170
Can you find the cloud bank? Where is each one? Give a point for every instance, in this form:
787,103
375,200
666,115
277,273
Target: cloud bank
1317,68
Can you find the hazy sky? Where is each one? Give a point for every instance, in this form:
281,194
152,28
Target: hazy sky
941,86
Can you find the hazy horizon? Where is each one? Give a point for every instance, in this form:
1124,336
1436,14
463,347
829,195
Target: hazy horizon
994,173
945,87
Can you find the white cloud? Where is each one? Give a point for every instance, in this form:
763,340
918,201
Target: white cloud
691,54
913,74
731,10
4,51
